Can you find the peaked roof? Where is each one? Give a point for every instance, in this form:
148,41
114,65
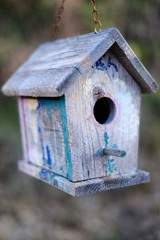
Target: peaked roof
54,65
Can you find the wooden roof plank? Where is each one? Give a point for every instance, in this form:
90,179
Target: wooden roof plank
54,65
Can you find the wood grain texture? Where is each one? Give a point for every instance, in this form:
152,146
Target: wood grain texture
114,152
23,128
85,187
54,66
88,138
46,134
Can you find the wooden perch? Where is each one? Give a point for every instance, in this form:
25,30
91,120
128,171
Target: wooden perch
114,152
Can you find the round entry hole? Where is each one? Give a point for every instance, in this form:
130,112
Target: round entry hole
104,110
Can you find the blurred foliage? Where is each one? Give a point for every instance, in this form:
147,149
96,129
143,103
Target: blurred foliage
24,20
23,26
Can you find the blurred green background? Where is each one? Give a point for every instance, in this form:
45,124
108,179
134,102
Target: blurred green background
32,210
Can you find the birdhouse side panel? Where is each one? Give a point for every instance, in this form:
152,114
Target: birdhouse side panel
103,109
44,133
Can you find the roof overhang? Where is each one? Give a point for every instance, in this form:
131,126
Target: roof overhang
56,65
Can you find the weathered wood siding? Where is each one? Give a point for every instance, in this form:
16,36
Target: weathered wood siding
23,128
87,137
46,135
83,188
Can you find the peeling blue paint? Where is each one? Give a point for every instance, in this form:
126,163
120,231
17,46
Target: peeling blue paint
43,152
100,65
47,177
46,157
48,106
52,176
41,138
110,63
106,139
99,153
66,138
114,146
49,160
43,175
123,154
49,110
41,104
111,165
51,106
42,147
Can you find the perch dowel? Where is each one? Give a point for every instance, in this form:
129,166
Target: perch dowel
114,152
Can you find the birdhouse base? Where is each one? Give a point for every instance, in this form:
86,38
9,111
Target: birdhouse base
84,187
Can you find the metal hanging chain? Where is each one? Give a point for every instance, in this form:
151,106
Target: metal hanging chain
95,16
58,21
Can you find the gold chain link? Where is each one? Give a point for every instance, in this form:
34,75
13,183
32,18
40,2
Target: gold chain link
95,16
58,21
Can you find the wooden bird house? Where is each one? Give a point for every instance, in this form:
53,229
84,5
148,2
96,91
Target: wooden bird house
79,106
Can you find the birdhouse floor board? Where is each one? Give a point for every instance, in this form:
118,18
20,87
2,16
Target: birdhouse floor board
85,187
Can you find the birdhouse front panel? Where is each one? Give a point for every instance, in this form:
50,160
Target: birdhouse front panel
45,134
103,111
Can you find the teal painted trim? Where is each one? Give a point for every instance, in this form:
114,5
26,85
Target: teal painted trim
66,137
106,139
